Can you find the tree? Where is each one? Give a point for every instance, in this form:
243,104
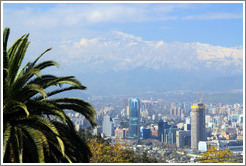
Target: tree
104,152
35,126
216,156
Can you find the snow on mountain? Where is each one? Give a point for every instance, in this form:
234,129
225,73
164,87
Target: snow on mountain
119,51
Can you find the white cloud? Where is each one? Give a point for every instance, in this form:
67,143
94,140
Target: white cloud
160,43
84,14
214,16
83,42
127,36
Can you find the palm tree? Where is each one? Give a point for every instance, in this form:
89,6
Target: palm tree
35,126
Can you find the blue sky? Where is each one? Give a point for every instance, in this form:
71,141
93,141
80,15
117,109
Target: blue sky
213,23
93,39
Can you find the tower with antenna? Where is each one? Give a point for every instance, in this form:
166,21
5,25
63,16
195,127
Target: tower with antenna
201,94
198,130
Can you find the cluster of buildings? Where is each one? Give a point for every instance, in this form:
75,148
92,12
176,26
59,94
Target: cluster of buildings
199,127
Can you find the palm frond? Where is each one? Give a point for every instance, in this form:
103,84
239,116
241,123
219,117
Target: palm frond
79,106
20,82
46,108
46,64
49,125
5,42
38,139
6,135
43,80
64,80
13,106
20,149
77,147
58,91
38,89
15,60
35,61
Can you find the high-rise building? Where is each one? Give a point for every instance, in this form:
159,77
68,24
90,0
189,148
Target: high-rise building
134,118
107,126
171,136
198,130
188,120
183,138
187,127
163,128
160,129
97,130
116,121
146,133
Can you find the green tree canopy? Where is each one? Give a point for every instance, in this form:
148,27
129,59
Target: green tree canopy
216,156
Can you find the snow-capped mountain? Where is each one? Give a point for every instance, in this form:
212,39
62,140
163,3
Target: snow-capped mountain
123,63
119,51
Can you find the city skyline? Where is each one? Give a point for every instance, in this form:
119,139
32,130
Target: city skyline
143,66
163,132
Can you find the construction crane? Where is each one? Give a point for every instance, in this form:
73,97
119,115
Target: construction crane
201,97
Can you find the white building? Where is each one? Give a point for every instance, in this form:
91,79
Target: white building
107,126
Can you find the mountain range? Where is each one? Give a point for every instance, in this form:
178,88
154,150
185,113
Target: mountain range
121,63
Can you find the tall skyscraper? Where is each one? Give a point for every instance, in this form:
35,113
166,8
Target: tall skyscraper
134,118
163,129
160,129
198,130
171,137
107,126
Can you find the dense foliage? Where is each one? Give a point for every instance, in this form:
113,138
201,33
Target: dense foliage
35,127
216,156
103,151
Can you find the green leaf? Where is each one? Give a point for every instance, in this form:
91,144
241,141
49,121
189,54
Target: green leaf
5,42
6,136
21,105
48,124
58,91
32,64
38,88
46,64
38,141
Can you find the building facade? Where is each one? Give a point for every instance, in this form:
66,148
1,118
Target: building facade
183,138
107,126
171,136
134,118
121,133
163,129
146,133
198,129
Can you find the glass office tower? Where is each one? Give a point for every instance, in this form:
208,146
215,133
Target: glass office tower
134,118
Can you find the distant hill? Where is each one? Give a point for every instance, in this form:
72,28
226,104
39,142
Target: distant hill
143,80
